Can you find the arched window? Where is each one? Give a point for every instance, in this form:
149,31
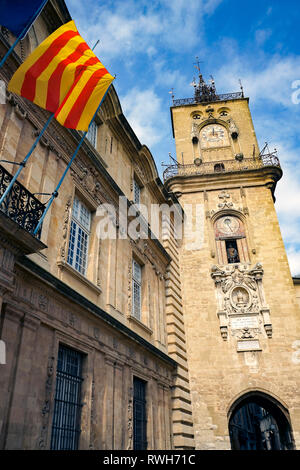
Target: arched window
231,240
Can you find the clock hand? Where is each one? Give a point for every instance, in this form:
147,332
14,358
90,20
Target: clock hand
228,223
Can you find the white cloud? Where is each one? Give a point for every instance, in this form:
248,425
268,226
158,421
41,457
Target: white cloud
269,11
143,109
130,27
261,35
133,28
262,79
168,77
294,260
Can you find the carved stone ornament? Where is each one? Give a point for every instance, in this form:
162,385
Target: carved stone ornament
225,202
242,309
45,411
233,129
66,219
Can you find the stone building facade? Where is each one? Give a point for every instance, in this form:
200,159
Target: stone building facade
53,304
156,342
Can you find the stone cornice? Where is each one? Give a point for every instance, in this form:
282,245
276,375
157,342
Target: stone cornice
266,176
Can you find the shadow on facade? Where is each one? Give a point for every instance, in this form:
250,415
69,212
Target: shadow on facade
259,422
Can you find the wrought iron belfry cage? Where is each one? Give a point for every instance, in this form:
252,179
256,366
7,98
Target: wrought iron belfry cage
206,93
224,166
20,205
207,98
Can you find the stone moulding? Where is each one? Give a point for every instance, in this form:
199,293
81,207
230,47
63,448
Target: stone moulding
241,305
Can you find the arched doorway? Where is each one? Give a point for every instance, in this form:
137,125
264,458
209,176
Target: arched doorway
259,422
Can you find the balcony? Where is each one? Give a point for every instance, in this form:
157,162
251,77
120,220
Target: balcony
208,98
19,215
223,166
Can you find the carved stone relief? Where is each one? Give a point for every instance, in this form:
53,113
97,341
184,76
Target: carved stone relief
233,129
42,442
129,293
66,220
224,203
130,420
93,415
141,173
242,309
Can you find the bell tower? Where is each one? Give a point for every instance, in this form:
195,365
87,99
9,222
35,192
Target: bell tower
241,315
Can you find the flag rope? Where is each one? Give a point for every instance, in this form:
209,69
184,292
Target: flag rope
55,192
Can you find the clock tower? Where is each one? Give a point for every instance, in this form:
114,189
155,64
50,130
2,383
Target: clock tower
241,316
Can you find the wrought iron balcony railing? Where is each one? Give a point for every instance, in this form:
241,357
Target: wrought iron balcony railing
20,205
221,97
223,166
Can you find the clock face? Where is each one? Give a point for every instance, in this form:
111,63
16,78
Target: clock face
228,225
214,135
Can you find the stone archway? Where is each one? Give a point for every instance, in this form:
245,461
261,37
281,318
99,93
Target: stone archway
258,421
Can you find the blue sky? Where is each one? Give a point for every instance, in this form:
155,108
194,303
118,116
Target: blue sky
151,46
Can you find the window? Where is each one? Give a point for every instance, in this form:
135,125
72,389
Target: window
136,192
79,236
232,251
67,401
139,415
231,240
92,134
219,167
136,289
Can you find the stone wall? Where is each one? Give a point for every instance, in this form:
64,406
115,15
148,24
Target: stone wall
35,319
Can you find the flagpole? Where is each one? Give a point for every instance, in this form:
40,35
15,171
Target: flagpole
55,192
23,163
25,30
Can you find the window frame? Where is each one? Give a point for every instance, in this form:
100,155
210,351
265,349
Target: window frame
92,133
241,239
79,229
136,283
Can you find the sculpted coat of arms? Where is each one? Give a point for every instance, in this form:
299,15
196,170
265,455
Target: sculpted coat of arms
242,309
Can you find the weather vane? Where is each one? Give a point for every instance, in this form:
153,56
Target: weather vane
241,86
172,94
197,64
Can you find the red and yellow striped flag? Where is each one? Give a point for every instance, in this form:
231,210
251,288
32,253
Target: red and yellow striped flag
64,76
